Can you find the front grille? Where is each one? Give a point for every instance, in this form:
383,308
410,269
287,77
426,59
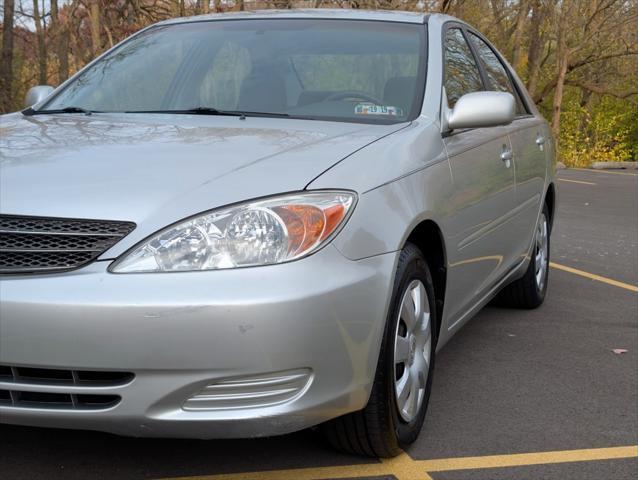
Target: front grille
13,379
39,244
51,376
58,401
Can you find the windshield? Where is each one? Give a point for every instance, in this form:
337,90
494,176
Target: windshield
357,71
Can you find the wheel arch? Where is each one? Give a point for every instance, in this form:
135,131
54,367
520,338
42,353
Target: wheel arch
550,200
428,237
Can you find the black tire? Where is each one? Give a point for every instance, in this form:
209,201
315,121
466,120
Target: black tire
525,292
378,430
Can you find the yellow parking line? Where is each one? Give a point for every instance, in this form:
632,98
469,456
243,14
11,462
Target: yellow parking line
405,468
593,276
576,181
604,171
524,459
318,473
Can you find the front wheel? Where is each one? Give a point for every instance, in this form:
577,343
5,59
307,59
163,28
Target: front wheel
396,409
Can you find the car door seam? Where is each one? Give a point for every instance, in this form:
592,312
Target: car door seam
411,172
353,152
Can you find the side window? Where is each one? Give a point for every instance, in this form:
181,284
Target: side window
497,75
461,72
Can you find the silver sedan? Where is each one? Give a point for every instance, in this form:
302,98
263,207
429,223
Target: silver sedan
249,224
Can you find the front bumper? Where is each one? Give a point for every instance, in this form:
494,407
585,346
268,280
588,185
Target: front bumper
180,332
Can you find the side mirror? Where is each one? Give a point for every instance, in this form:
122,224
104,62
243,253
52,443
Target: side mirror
482,109
37,94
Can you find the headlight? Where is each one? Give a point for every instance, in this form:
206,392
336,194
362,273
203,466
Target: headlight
262,232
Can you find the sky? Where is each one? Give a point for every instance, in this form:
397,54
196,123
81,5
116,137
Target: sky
26,6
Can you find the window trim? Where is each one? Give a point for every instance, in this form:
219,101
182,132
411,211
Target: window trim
465,29
504,64
450,26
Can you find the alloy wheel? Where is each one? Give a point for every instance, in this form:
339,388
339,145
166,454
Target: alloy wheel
412,348
542,252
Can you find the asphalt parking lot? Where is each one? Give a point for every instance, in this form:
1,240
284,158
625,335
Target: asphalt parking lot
517,394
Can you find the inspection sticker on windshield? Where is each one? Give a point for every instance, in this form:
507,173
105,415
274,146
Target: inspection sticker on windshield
372,109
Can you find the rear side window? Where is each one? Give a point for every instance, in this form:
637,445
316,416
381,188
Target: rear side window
496,72
461,72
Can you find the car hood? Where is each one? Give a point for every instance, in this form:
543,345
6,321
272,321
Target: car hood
157,169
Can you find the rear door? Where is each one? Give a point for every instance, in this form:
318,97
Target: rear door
479,227
528,137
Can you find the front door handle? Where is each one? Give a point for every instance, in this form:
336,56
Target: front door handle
507,156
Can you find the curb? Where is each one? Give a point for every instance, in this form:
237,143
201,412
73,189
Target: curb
614,165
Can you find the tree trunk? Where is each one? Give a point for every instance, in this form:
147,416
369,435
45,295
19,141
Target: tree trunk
6,60
498,7
534,52
178,8
94,16
444,6
63,54
562,59
42,46
518,34
60,38
558,94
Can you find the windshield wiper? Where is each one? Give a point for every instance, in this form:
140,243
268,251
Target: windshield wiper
189,111
213,111
31,111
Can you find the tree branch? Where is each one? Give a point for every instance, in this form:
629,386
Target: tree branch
573,66
601,90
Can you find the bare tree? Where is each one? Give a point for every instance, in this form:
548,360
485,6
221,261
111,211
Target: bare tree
521,17
562,56
60,38
6,60
94,22
40,30
535,45
202,6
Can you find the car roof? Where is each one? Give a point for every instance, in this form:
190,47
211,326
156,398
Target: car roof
317,13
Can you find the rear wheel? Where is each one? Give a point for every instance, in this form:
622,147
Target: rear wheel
396,409
529,291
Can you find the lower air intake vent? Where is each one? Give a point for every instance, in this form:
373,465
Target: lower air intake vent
251,392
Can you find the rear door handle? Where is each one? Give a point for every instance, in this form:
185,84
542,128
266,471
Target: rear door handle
540,141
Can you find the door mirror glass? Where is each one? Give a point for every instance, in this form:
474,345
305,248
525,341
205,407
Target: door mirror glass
482,109
37,94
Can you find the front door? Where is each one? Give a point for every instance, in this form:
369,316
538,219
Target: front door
484,198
